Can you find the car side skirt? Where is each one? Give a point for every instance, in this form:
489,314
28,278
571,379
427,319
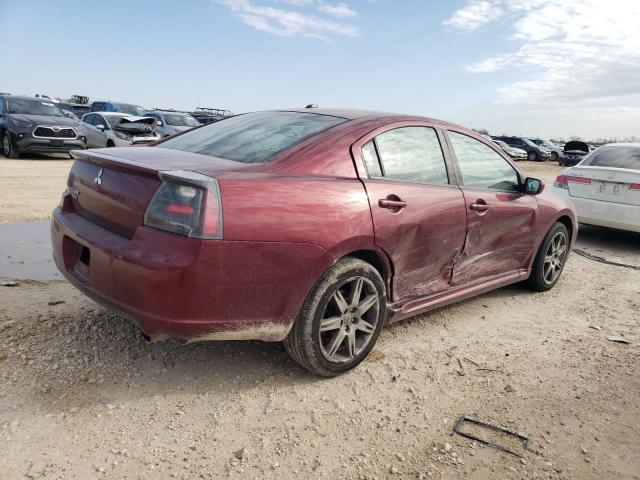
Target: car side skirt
415,307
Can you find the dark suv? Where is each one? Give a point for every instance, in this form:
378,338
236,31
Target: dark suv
535,153
37,125
109,106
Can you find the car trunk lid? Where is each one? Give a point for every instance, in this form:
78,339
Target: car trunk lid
607,184
112,187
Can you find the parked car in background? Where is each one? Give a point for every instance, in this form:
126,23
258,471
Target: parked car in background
312,228
574,152
557,152
36,125
210,115
514,153
109,106
111,129
605,187
172,122
535,153
77,109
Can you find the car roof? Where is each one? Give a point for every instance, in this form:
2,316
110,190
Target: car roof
356,114
173,112
26,97
112,114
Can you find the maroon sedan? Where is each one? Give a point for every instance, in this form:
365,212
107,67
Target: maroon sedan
312,227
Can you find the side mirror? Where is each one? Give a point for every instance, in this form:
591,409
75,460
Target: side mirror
101,127
533,186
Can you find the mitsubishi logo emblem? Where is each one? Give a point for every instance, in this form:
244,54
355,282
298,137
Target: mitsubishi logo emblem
98,179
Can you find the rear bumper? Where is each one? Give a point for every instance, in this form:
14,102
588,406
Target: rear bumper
185,288
604,214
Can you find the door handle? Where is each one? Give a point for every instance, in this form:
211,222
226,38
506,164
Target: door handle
479,206
396,205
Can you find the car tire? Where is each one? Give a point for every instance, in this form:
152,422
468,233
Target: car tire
554,156
8,150
532,156
334,331
550,259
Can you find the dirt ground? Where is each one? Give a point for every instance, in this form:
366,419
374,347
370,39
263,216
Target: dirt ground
84,397
30,188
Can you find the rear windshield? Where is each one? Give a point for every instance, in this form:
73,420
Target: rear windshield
253,137
614,156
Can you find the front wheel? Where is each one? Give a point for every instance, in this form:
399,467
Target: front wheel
8,150
550,259
340,320
532,157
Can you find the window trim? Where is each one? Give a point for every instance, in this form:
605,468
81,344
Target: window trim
356,152
461,184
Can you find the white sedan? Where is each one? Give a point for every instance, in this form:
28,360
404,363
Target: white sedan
605,187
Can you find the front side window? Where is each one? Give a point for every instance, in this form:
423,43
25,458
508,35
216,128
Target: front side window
253,137
412,154
481,166
88,119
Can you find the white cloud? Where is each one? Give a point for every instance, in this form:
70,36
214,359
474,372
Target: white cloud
339,10
293,23
474,15
572,50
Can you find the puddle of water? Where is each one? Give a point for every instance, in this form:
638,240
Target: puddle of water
25,251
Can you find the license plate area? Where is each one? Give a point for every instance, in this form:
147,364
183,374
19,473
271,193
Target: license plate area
612,189
56,143
77,259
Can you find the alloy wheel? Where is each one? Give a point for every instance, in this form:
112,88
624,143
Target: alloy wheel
532,156
554,257
349,321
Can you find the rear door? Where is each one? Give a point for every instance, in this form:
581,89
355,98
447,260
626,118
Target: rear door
418,214
501,221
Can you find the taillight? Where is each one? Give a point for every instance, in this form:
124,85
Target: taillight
562,181
635,186
186,203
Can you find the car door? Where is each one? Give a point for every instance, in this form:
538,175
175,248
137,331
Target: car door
91,132
418,214
501,220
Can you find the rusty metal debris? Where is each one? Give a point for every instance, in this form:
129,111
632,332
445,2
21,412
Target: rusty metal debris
457,428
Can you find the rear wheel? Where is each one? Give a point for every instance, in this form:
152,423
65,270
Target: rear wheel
341,319
550,259
554,156
8,150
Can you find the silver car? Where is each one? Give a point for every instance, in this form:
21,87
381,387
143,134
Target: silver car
171,122
113,129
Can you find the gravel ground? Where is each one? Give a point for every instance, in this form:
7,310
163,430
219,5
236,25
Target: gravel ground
84,397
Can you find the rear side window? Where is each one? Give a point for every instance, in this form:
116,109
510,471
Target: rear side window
615,157
253,137
412,154
481,166
370,157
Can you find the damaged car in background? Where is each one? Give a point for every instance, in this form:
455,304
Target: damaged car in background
111,129
574,152
36,125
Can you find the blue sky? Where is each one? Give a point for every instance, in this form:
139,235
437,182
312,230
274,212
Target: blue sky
536,67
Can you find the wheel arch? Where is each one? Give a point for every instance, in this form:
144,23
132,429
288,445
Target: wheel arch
566,221
379,260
